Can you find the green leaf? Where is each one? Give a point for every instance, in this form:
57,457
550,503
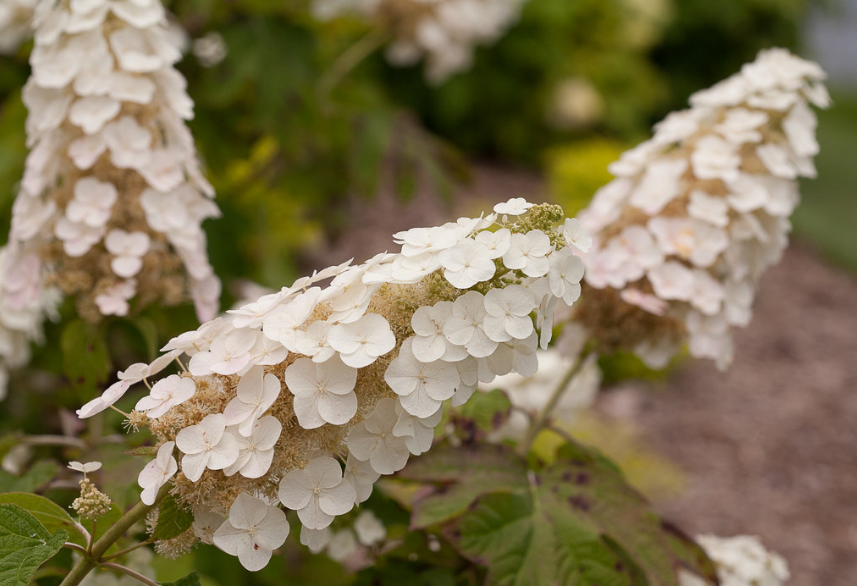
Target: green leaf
86,361
488,411
38,475
173,520
52,516
464,474
191,579
149,331
7,442
25,544
576,522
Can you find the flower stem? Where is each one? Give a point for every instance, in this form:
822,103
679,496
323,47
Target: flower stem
111,536
54,440
543,418
348,60
122,552
132,573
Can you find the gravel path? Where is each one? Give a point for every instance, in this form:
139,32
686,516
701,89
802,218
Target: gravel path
770,447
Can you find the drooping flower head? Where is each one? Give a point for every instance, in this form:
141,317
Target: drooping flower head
443,32
112,199
308,395
698,212
15,23
23,308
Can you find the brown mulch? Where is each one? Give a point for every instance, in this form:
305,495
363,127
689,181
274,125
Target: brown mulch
769,447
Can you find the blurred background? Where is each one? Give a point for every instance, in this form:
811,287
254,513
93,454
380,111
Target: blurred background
320,149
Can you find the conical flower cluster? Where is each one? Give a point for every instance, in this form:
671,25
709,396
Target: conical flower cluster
15,23
112,200
697,213
443,32
22,312
274,399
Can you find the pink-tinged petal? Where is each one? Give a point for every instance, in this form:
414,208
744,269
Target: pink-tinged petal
337,500
313,517
229,539
337,409
247,511
362,442
270,391
237,412
257,463
200,363
419,404
224,454
325,472
253,556
306,409
126,266
149,494
295,490
250,387
272,532
193,465
213,426
191,440
519,327
301,377
389,457
267,432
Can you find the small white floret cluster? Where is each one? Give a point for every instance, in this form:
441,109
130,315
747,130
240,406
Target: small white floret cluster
443,32
22,312
698,212
530,395
16,26
741,561
281,393
112,199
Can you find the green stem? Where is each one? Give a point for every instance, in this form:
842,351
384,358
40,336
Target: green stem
54,440
74,546
111,536
132,573
348,60
122,552
543,418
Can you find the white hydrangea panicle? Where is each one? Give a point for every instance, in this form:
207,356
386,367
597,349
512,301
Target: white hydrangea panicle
697,213
307,396
112,199
16,23
740,561
23,308
445,33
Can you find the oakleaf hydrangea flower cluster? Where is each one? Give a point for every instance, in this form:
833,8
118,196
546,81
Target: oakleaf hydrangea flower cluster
698,212
15,23
23,308
444,32
304,398
741,561
112,200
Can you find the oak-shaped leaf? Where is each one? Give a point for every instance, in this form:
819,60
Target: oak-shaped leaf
25,545
575,522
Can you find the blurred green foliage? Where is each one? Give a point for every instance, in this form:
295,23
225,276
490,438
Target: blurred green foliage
827,213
